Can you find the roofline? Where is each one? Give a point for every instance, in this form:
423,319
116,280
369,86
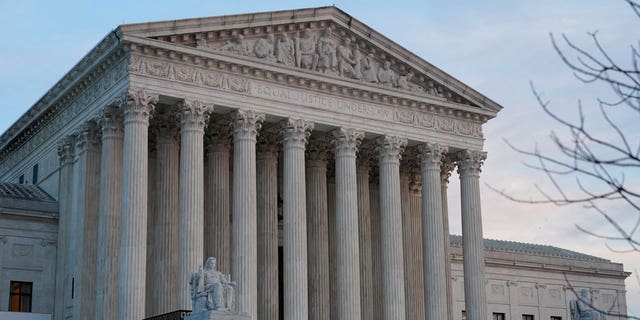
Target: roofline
127,26
113,40
193,25
103,48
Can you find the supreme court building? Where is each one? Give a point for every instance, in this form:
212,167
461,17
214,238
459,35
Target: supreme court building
305,151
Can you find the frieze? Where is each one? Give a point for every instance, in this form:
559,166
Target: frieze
409,117
83,101
219,80
325,102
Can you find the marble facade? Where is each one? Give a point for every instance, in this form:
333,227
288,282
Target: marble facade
172,141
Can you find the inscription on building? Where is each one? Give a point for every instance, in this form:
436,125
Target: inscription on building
214,79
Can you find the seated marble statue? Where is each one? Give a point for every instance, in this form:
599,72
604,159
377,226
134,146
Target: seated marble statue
211,289
580,310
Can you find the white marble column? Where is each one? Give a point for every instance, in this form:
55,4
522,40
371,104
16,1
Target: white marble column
331,221
84,219
407,243
365,156
376,243
346,142
445,172
64,272
415,231
193,117
469,164
318,152
163,236
109,212
296,295
152,217
433,228
267,208
133,228
217,217
244,251
412,240
390,148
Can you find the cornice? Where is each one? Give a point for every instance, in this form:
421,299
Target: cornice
89,71
548,267
293,20
255,68
75,101
301,77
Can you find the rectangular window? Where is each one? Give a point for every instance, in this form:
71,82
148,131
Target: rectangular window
527,317
464,315
20,296
35,174
498,316
556,318
21,179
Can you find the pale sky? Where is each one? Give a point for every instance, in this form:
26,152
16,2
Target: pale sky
495,46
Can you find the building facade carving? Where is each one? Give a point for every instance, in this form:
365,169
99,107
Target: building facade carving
321,103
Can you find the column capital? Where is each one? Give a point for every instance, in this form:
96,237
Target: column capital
193,114
410,161
346,140
470,162
140,104
111,120
165,129
431,155
219,134
296,132
65,149
87,137
447,166
319,149
268,144
366,157
391,148
246,124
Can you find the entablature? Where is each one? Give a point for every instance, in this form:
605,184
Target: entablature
236,85
322,40
167,56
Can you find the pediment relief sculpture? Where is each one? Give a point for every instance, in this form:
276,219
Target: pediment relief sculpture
339,54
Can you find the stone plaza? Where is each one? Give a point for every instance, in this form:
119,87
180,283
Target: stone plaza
309,154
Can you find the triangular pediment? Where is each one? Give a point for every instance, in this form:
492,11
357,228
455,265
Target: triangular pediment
325,41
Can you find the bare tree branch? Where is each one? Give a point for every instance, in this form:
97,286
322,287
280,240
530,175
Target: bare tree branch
589,302
595,159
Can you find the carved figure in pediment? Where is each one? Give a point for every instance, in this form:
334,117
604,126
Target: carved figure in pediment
357,59
306,50
346,60
369,70
263,48
404,82
326,52
386,76
237,45
286,50
435,90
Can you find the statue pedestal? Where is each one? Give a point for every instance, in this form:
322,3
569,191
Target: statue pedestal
217,315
